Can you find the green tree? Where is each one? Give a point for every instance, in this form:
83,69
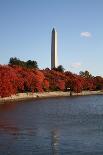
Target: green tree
27,64
60,68
85,74
31,64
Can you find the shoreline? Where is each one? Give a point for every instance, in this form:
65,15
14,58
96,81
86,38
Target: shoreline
28,96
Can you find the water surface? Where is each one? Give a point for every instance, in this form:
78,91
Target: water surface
57,126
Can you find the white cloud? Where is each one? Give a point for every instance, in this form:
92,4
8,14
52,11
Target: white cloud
86,34
76,65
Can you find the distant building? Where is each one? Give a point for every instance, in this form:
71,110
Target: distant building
54,55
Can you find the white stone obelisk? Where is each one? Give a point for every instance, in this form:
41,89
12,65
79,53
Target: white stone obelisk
54,57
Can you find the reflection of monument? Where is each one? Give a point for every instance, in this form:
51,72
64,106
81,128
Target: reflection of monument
55,142
54,61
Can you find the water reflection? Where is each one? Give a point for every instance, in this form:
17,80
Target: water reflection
53,127
7,106
7,128
55,137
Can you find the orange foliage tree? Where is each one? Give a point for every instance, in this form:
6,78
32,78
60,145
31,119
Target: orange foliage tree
16,79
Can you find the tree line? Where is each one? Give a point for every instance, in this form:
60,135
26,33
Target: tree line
19,76
27,64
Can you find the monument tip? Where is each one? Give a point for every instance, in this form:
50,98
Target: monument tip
53,29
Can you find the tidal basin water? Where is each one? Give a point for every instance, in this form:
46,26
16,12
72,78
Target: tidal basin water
56,126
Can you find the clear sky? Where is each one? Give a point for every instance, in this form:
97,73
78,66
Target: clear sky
26,25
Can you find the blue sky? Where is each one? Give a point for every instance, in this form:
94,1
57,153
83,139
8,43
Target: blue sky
26,25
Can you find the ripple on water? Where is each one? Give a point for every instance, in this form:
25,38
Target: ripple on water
53,127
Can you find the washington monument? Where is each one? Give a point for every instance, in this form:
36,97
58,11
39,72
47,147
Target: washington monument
54,57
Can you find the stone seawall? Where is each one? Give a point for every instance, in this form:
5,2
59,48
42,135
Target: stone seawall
25,96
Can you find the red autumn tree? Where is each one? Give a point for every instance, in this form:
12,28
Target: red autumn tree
8,80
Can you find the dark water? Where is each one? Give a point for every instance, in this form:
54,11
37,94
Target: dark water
62,126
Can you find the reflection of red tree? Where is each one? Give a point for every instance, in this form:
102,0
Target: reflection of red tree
7,107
